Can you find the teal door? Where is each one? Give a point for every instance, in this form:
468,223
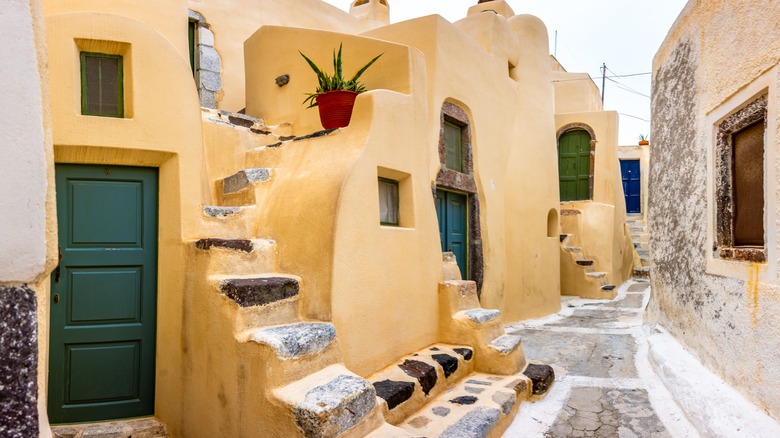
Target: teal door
574,165
453,214
103,294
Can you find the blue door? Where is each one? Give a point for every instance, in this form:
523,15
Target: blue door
631,185
452,212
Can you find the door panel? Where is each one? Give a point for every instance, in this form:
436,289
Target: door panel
574,165
631,185
453,218
103,308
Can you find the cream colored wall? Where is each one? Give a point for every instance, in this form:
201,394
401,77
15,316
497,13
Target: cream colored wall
357,273
575,93
641,153
161,129
168,18
512,148
718,56
234,21
604,237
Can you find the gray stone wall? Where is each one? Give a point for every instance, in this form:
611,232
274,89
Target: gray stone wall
731,324
208,63
18,363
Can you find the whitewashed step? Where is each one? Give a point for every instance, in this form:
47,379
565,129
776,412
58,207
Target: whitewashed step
295,340
506,344
480,316
329,402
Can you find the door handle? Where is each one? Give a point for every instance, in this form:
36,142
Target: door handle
56,298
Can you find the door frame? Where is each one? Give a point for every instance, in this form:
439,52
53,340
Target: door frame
579,127
639,168
157,269
467,231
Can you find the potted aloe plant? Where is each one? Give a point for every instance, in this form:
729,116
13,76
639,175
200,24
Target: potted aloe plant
643,141
335,96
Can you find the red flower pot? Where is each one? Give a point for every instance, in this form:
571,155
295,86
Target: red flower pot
336,108
644,142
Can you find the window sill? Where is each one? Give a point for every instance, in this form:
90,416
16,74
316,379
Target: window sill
743,254
394,227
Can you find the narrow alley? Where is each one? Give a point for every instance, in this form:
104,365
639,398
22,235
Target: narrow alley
604,383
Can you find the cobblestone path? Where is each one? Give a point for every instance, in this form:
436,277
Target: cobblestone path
604,385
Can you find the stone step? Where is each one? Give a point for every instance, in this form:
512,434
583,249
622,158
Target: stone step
584,262
506,344
237,256
481,405
642,272
608,287
407,385
227,222
596,274
572,248
241,187
563,237
295,340
643,252
479,315
143,427
330,402
637,229
258,290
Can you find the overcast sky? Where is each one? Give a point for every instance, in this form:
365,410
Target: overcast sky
624,34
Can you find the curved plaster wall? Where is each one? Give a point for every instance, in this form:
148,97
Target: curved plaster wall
162,129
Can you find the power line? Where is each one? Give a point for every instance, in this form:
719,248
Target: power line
629,89
634,117
601,77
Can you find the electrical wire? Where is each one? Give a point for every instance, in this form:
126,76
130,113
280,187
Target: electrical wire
634,117
601,77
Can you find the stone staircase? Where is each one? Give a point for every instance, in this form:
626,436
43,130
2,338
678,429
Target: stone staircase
300,377
641,238
589,282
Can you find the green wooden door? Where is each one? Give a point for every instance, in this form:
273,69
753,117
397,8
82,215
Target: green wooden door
453,214
574,165
103,294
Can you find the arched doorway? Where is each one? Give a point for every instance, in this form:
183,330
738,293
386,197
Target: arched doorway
574,165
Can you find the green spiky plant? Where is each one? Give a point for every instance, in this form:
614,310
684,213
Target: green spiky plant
336,81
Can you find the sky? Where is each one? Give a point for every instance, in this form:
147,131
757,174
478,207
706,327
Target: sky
623,34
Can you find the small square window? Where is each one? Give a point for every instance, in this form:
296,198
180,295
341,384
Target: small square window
453,144
388,202
101,85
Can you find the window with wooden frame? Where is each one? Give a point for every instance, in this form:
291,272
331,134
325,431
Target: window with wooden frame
102,88
740,184
388,202
453,144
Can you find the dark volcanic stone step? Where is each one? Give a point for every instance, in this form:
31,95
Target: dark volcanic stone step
447,362
236,244
394,392
249,292
608,287
467,353
542,377
585,262
424,373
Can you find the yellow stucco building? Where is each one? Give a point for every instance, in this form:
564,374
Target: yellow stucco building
270,278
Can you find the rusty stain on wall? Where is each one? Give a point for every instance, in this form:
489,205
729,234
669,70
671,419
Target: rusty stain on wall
752,292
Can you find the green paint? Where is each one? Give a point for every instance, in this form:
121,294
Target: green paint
453,144
102,337
452,211
574,165
191,35
93,87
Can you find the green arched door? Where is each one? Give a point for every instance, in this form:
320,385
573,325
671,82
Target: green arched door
574,165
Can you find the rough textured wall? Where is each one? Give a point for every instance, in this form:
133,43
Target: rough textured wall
730,321
18,363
